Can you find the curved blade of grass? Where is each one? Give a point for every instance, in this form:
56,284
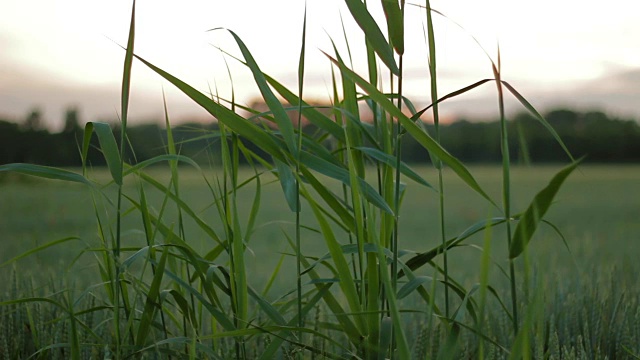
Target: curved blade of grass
391,161
421,259
230,119
39,248
450,95
395,24
46,172
412,285
538,117
342,174
373,34
347,283
161,158
108,146
282,119
146,318
288,184
310,112
536,211
346,325
418,134
339,208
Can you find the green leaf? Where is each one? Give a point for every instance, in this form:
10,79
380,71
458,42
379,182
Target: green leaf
288,184
395,24
235,122
414,130
539,117
45,172
108,146
282,119
425,257
536,211
373,34
151,303
412,285
342,174
39,248
391,161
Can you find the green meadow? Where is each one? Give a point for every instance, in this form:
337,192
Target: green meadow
596,212
587,272
322,245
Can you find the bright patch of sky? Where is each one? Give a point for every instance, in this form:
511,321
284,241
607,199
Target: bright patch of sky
545,46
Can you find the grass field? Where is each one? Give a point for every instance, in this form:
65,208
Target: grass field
596,212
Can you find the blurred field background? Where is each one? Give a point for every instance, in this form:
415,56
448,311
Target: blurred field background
597,212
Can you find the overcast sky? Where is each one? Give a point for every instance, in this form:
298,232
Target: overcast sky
56,54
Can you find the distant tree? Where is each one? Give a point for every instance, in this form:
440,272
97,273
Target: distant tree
33,121
71,121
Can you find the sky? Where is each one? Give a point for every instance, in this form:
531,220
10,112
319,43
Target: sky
64,53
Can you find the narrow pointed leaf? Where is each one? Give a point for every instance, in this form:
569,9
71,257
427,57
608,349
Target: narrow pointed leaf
536,211
373,34
539,117
342,175
395,24
151,302
288,184
232,120
282,119
109,150
391,161
414,130
45,172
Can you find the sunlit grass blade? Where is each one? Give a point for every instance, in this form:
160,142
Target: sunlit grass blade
373,34
537,209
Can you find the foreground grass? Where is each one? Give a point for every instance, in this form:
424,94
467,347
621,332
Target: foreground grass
590,298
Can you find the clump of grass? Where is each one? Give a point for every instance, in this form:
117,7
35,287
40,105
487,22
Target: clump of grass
167,298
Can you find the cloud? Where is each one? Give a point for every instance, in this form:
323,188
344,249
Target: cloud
21,91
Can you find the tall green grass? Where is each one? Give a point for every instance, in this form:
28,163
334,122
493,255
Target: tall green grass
366,297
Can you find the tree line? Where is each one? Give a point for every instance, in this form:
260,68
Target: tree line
600,138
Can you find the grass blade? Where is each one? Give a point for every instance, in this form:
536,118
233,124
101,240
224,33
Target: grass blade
391,161
282,119
373,34
395,24
108,146
152,301
419,135
536,211
46,172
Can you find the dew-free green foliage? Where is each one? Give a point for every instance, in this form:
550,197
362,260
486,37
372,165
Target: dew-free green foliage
202,266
